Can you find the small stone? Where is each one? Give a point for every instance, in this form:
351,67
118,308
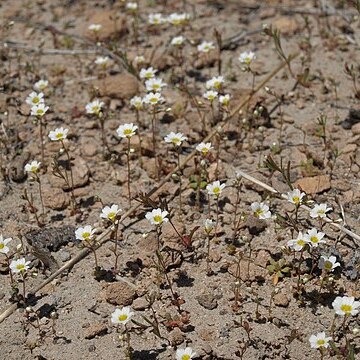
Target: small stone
89,149
255,225
64,255
55,198
112,25
207,301
140,304
120,86
287,25
176,337
119,293
356,129
96,329
349,148
92,348
281,300
314,184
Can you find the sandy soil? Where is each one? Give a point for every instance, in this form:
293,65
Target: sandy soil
264,320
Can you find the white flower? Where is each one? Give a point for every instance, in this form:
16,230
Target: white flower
204,148
206,46
110,212
209,225
95,27
39,110
156,19
224,100
178,19
295,196
346,305
19,266
210,95
154,84
58,134
147,73
175,138
185,354
4,249
126,130
85,233
260,210
328,263
94,107
137,103
153,98
139,59
32,167
299,243
41,85
315,237
247,57
103,61
178,40
319,340
215,83
132,6
122,316
35,98
319,210
215,188
157,216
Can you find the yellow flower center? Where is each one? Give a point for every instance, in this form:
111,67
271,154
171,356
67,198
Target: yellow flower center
33,169
2,246
127,131
185,357
296,199
204,151
321,212
95,109
122,317
36,100
346,309
111,216
86,235
158,218
153,100
217,84
59,135
39,111
314,239
328,265
259,212
216,190
320,342
156,86
300,242
20,267
175,140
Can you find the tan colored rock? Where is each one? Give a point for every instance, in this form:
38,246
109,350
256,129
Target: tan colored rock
97,329
176,337
80,171
349,148
281,300
119,293
356,129
287,25
112,25
314,184
55,198
120,86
